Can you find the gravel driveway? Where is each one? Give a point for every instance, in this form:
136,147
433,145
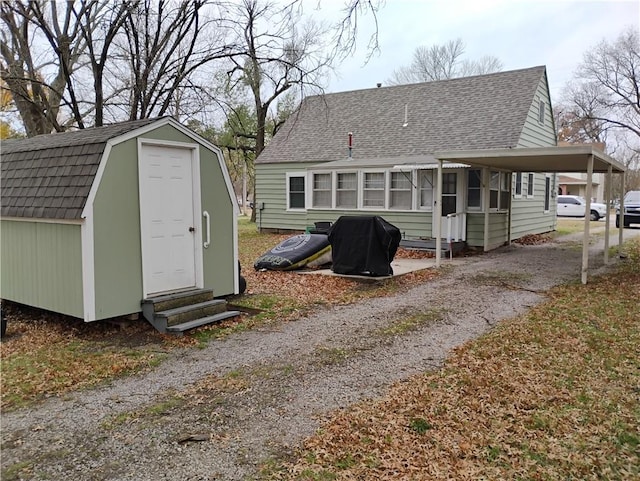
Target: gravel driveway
262,392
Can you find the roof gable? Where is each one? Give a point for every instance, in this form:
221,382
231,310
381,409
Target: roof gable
50,176
480,112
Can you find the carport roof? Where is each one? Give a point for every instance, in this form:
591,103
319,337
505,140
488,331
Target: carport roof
536,159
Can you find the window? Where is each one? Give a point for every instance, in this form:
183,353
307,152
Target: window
322,190
541,109
373,189
530,184
474,189
425,182
547,193
518,187
296,191
347,190
499,190
400,190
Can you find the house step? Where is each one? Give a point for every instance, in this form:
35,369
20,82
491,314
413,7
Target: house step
185,326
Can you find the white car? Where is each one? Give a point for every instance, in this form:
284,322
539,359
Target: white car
575,206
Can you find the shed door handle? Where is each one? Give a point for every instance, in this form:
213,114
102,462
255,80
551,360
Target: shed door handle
192,229
207,219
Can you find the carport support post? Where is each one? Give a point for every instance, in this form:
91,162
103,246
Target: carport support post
587,220
437,212
607,216
621,210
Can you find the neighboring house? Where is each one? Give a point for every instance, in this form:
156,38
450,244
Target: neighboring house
575,183
96,220
308,173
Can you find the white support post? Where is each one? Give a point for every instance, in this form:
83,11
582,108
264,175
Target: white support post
621,226
607,217
486,193
437,212
587,220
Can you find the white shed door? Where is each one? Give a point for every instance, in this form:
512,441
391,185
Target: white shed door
167,218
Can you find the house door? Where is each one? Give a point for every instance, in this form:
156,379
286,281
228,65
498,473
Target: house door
451,203
167,218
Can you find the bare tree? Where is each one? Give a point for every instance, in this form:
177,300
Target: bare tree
606,88
38,96
166,43
441,62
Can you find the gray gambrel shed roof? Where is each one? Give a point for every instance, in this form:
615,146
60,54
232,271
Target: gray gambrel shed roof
50,176
480,112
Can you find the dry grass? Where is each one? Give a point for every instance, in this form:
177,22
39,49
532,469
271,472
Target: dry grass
48,354
550,395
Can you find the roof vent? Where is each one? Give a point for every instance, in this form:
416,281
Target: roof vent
378,85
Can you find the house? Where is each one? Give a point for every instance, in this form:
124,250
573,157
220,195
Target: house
98,222
576,183
373,151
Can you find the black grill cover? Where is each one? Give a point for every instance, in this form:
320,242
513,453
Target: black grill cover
363,245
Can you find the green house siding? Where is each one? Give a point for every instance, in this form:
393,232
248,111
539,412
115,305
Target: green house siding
498,226
116,231
271,191
528,215
411,224
42,265
536,133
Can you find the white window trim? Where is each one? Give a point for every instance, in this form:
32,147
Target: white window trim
302,174
500,183
311,183
419,207
362,190
467,207
335,189
531,181
411,189
548,196
515,185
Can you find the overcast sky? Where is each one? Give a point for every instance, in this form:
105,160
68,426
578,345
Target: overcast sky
521,33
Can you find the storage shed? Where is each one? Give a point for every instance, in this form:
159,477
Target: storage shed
96,221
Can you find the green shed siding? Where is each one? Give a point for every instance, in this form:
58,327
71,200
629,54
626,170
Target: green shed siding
218,259
116,223
116,234
42,265
535,133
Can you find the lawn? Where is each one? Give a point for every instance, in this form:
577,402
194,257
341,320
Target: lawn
47,354
553,394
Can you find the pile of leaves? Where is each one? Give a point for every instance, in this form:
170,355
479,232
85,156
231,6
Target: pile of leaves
549,395
534,239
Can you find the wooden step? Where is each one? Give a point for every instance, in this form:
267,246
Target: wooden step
185,326
184,314
179,299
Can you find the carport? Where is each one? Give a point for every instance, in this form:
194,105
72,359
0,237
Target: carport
579,158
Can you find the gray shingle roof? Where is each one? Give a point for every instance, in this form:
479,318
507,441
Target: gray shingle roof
49,176
481,112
